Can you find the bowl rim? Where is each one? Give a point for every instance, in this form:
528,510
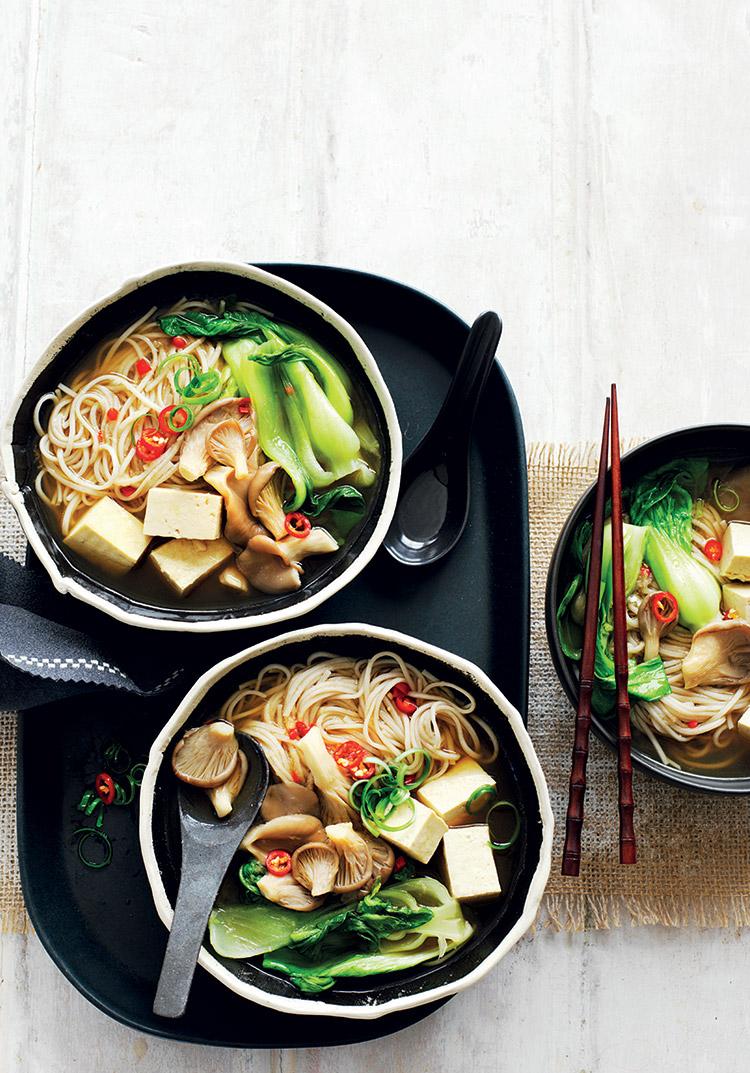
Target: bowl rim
308,1007
693,781
68,585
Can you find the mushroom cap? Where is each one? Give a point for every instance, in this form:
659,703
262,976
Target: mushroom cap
317,542
226,443
285,832
355,859
719,655
383,858
265,567
223,797
207,755
315,867
265,501
286,891
287,799
239,527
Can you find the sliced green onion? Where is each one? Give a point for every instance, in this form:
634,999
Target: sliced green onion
481,791
721,491
91,832
184,425
502,847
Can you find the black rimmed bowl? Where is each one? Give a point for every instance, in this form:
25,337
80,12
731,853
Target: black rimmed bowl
523,874
162,287
720,444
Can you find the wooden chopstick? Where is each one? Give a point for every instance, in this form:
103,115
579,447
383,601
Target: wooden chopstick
571,862
624,760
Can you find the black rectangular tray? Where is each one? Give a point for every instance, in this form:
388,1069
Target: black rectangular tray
100,928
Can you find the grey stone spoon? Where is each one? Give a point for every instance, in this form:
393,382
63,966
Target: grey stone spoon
208,845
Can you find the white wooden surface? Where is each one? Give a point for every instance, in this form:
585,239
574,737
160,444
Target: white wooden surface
581,166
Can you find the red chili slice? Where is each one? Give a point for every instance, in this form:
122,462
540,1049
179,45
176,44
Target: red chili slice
180,417
278,862
142,367
399,863
401,689
350,756
713,550
665,607
179,342
298,730
127,490
693,724
151,444
297,524
404,705
112,414
105,787
244,405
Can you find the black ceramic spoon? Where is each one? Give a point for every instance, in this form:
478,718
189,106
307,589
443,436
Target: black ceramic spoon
433,505
208,845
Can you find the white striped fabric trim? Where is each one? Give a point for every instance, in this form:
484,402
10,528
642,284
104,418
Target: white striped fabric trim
55,662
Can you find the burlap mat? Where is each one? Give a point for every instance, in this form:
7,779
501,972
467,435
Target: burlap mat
694,861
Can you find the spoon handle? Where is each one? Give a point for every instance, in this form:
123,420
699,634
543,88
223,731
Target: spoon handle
195,900
458,409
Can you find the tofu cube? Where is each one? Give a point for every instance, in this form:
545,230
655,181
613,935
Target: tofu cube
735,559
743,724
185,563
109,536
469,864
447,794
177,512
422,836
735,596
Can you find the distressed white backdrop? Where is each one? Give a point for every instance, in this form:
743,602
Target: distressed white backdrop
581,166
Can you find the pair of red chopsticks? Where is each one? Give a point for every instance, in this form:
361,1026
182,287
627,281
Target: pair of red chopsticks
571,862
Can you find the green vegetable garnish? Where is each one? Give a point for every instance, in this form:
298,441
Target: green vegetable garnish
249,874
725,497
232,324
377,798
502,847
439,935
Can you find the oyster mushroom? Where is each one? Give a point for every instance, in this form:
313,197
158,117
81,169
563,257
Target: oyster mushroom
355,859
265,501
330,781
226,444
317,542
383,858
265,567
231,578
195,457
285,832
239,527
223,797
656,616
315,867
207,755
287,892
287,799
719,655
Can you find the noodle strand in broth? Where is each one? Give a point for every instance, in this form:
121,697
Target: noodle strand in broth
350,700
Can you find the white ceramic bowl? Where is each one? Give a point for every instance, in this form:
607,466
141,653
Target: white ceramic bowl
383,995
159,287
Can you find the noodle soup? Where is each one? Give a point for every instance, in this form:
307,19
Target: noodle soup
687,575
389,834
208,455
